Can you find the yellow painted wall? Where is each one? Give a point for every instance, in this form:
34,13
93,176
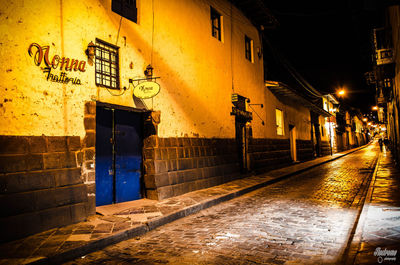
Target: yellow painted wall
293,114
194,67
196,70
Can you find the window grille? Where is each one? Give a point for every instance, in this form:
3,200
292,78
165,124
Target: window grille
107,65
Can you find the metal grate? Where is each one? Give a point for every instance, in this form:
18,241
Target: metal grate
107,65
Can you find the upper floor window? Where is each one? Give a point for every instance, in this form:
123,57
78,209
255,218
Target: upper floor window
248,45
107,65
216,24
279,122
125,8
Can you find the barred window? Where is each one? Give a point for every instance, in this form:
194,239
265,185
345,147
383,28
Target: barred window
107,65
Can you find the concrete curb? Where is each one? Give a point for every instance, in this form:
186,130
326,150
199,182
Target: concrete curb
157,222
355,236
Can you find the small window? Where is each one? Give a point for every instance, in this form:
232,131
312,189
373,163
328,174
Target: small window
279,122
248,45
107,65
216,20
125,8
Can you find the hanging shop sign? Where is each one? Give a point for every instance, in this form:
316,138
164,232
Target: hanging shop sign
242,114
147,89
239,108
64,65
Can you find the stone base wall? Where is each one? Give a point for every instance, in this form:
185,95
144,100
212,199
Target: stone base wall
174,166
304,150
325,148
88,155
268,154
40,184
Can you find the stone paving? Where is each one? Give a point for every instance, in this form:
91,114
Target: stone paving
305,219
122,221
379,226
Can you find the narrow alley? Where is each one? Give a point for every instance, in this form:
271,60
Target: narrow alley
306,218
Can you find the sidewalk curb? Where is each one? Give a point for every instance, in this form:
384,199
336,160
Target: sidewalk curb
157,222
354,239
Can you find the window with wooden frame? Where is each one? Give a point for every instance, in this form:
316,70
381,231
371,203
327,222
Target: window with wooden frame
248,46
107,64
279,122
125,8
216,24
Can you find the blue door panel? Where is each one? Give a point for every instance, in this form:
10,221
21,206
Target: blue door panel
128,179
128,148
104,161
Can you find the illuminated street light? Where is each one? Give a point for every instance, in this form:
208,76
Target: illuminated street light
365,119
341,92
369,123
375,108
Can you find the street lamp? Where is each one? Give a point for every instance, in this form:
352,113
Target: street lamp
365,119
341,92
375,108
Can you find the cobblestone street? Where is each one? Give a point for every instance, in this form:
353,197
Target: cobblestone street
304,219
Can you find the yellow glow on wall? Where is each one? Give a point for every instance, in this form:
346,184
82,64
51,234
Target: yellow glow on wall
279,122
197,72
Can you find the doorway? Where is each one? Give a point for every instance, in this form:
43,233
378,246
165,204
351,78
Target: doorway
293,150
119,140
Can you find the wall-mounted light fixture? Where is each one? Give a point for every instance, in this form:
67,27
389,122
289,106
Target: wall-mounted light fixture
149,72
91,52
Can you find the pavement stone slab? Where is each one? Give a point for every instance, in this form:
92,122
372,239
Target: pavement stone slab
378,228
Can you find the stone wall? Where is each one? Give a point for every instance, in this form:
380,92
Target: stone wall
325,148
40,184
304,150
174,166
88,155
268,154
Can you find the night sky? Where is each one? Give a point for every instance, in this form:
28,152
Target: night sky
329,43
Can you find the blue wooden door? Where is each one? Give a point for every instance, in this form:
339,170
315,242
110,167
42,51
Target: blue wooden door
104,157
118,156
128,149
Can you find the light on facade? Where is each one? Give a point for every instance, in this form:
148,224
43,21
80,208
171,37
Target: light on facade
149,72
91,50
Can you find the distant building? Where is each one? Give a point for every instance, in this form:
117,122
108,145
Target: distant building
385,74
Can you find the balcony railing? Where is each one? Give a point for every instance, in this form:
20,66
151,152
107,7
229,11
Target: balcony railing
384,56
